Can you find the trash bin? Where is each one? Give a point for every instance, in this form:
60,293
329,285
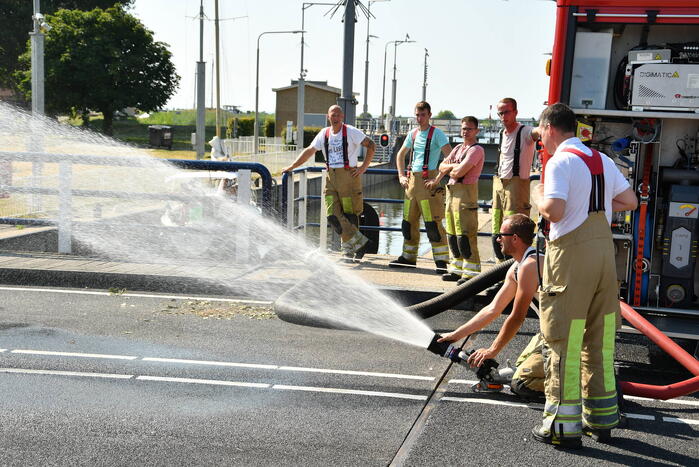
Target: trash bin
160,136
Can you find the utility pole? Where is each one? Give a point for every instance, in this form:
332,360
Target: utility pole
218,74
201,89
37,44
424,79
347,101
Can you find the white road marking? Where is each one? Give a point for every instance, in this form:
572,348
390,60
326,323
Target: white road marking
680,420
3,350
636,398
395,395
639,416
216,382
211,363
73,354
139,295
65,373
669,401
493,402
356,373
350,391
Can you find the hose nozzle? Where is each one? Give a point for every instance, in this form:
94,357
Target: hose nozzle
444,349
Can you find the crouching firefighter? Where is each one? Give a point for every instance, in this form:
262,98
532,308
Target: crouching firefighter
520,286
463,166
341,145
579,306
424,197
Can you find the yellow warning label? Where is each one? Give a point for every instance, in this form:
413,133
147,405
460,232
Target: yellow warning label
675,75
657,57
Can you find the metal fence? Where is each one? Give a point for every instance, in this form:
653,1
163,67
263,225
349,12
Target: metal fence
246,145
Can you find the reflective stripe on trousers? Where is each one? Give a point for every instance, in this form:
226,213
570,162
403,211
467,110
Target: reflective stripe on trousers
420,202
579,318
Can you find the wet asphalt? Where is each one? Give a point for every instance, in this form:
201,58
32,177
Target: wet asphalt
123,380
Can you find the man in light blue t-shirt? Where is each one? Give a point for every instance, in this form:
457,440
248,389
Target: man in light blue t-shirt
424,197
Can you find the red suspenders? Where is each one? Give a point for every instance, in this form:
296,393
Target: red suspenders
594,164
345,158
426,158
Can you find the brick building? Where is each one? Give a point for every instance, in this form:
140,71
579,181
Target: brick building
318,96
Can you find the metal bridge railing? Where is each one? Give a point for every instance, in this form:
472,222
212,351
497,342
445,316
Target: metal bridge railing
288,208
66,187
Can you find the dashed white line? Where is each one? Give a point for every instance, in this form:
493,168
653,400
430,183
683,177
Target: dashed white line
139,295
210,363
396,395
668,401
356,373
639,416
680,420
492,402
73,354
3,350
65,373
216,382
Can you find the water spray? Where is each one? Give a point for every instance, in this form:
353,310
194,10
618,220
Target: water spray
490,379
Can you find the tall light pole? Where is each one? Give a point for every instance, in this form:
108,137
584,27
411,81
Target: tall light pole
424,78
257,82
346,101
395,83
218,73
37,44
201,88
385,54
301,96
366,63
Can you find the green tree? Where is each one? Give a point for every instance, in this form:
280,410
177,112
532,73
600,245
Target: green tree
445,115
102,60
16,23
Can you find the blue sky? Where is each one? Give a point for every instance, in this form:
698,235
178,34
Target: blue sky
479,50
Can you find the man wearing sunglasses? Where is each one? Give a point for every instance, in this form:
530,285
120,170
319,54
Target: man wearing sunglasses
521,283
463,166
511,180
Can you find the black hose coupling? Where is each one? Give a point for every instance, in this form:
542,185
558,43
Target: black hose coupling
445,349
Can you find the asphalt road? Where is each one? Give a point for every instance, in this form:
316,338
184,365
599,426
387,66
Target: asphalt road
98,379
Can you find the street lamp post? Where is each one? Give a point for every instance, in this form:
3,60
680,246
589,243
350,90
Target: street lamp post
424,78
37,44
366,63
257,82
392,110
385,54
301,96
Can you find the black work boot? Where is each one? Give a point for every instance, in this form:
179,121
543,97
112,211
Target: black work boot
542,435
401,262
603,435
359,254
441,267
450,277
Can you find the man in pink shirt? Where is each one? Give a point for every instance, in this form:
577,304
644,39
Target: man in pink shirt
463,166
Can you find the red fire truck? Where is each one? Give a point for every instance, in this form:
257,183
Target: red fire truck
630,71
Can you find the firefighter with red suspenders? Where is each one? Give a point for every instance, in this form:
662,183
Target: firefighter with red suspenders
578,296
463,166
341,145
424,197
511,180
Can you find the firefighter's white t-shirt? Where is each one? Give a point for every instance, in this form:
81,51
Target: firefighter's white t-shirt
568,178
354,146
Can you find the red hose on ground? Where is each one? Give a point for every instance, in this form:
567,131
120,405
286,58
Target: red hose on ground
670,391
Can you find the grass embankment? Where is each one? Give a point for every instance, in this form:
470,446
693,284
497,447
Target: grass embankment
183,122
